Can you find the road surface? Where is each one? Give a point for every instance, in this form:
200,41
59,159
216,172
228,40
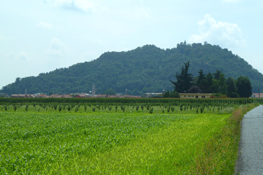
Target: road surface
250,159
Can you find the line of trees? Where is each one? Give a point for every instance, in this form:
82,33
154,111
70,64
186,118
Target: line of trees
210,83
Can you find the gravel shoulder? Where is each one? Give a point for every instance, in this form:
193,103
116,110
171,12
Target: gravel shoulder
250,158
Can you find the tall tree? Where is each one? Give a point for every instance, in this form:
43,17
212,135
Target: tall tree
231,87
201,81
217,74
215,85
222,87
184,79
208,83
244,88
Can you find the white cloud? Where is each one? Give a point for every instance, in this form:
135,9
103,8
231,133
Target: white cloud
17,57
45,25
57,48
142,12
222,33
82,5
23,56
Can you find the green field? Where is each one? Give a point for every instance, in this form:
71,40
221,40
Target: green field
39,139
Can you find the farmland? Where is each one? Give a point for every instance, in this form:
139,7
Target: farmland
120,137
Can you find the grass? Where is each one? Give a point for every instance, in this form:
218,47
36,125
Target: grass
130,142
220,153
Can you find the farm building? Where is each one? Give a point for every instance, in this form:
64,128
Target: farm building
195,95
3,95
257,95
150,95
22,96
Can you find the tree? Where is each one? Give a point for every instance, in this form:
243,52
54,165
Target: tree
201,77
207,88
201,81
166,94
194,89
222,87
184,79
110,91
231,87
173,94
219,86
244,88
217,74
215,85
136,92
17,81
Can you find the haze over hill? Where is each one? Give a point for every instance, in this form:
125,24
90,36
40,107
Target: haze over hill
144,69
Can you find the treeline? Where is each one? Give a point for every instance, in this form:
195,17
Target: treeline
215,83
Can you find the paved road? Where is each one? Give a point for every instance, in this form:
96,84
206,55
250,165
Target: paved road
250,160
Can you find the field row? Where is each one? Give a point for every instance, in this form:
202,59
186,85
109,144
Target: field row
116,108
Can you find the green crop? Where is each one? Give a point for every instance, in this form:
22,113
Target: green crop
134,138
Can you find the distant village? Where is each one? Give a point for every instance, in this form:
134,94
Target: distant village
71,95
118,95
92,94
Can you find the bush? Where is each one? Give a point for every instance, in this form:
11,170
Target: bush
172,94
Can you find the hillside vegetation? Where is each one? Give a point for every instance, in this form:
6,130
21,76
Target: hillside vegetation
144,69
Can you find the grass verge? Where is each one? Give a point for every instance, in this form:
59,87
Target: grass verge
220,153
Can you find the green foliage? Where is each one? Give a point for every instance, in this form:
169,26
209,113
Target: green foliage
222,87
171,94
201,80
110,91
183,80
174,94
151,111
144,69
217,74
244,88
218,84
166,94
26,107
231,88
123,142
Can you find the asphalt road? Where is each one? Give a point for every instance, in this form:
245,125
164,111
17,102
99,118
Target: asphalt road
250,158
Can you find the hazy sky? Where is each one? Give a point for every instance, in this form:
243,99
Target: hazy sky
38,36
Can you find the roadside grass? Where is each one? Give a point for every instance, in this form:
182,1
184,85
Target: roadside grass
220,153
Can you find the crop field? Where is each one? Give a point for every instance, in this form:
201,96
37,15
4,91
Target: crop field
110,138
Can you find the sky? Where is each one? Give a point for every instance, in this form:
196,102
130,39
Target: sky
38,36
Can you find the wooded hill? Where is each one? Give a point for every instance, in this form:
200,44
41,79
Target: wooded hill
144,69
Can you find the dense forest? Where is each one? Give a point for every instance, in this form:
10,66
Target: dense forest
144,69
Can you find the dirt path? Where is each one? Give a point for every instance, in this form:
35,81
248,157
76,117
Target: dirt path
250,159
